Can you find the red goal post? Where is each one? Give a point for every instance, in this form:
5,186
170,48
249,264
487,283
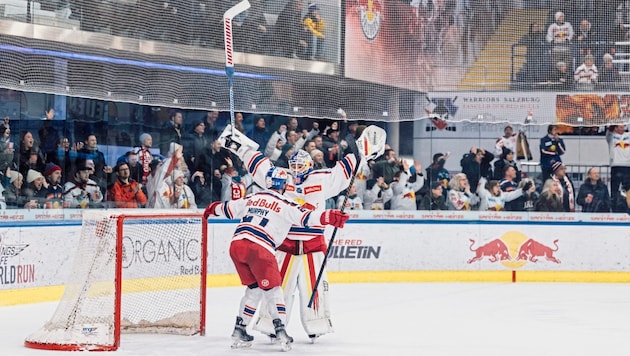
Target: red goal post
135,271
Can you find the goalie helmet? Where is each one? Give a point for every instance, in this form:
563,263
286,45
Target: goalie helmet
300,165
276,178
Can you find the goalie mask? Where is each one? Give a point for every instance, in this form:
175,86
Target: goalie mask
300,165
276,178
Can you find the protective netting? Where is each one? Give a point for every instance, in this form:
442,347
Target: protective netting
160,289
375,59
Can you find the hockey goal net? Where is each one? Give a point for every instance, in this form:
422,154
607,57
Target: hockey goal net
134,272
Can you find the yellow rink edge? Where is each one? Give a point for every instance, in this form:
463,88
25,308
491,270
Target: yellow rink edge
54,293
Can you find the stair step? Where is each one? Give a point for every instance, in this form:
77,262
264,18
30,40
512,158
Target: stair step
493,66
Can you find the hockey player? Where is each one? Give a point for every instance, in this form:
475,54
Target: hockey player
265,221
301,255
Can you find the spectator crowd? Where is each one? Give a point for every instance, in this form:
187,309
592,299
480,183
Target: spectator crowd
188,169
583,46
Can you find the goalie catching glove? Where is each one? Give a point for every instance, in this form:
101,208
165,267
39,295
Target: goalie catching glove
371,143
334,217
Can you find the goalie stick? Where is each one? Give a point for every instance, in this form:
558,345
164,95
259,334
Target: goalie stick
371,144
228,16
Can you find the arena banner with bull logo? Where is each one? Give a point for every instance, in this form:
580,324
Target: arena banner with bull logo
447,240
381,242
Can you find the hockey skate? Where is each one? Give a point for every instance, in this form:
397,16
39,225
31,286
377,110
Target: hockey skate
313,337
282,336
240,337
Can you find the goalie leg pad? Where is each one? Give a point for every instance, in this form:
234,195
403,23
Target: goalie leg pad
315,320
290,267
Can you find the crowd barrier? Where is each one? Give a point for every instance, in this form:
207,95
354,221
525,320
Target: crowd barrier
37,248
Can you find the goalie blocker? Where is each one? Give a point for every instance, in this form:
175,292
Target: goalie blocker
236,141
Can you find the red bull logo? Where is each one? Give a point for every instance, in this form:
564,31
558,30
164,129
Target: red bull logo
495,250
533,249
513,250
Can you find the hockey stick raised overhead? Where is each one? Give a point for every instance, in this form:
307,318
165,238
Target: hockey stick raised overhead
229,49
371,144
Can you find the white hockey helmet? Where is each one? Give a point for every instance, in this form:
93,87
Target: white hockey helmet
300,165
277,178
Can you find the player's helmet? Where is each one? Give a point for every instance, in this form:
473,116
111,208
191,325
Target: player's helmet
276,178
300,165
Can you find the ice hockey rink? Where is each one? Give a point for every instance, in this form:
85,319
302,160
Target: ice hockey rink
402,319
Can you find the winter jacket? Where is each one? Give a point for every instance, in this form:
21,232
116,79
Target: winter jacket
601,198
126,195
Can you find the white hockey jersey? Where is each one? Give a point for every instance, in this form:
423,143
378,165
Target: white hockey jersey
459,200
312,193
488,201
375,198
507,142
404,197
352,203
360,180
82,195
619,148
266,217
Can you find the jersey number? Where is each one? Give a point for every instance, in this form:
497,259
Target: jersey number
248,219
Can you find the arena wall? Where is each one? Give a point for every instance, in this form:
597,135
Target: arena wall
37,249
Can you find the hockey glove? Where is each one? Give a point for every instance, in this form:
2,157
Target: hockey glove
334,217
232,143
210,209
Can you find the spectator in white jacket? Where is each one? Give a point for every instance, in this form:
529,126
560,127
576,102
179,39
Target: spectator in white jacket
459,195
363,173
559,35
560,32
290,136
354,201
276,141
173,193
587,72
618,140
82,192
377,194
405,185
493,198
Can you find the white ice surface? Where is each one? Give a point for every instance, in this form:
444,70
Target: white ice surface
402,319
